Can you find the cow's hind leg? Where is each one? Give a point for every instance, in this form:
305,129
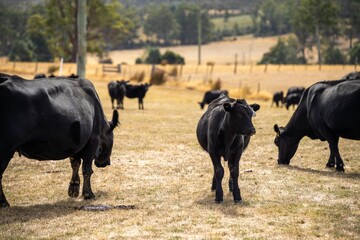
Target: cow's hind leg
334,151
74,186
331,161
3,164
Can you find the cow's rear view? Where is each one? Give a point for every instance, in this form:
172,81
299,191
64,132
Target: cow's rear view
52,119
224,131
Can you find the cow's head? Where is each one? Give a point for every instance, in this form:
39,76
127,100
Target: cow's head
287,145
240,116
106,141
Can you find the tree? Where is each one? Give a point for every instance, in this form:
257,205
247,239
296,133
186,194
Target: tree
35,29
12,28
106,27
284,52
162,23
355,54
272,17
315,17
187,16
333,55
351,19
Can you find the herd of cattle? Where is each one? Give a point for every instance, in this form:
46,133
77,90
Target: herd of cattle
65,118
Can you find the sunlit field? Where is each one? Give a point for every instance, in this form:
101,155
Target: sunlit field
160,178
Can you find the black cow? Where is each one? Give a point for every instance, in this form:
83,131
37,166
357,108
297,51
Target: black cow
52,119
117,90
210,96
224,131
278,97
137,91
298,90
293,96
39,75
351,76
292,99
328,110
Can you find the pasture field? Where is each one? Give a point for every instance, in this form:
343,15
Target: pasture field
242,21
162,178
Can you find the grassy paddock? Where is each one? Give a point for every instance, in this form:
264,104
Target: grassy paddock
159,168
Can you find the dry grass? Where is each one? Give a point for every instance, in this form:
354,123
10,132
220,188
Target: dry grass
158,166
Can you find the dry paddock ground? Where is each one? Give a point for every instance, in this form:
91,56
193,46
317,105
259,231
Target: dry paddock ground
162,178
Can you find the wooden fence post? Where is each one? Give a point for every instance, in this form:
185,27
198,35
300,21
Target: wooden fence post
235,63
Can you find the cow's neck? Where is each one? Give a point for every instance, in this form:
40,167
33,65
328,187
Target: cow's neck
298,125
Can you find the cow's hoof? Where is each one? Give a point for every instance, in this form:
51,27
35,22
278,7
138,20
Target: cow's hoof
237,200
218,201
4,204
88,196
340,169
74,189
330,165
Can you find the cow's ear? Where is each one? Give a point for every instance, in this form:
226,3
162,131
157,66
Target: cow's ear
227,107
255,106
276,129
115,120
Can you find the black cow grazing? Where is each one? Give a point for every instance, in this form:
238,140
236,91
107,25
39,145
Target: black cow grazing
292,99
117,90
39,75
137,91
52,119
210,96
351,76
278,97
224,131
298,90
328,110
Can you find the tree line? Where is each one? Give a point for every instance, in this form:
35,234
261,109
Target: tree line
318,24
49,30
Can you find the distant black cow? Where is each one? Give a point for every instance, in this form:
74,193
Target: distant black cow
137,91
293,96
117,90
224,131
292,99
291,90
52,119
39,75
328,110
351,76
210,96
278,97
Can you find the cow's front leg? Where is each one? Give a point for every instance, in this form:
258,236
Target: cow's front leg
234,176
219,174
87,172
74,186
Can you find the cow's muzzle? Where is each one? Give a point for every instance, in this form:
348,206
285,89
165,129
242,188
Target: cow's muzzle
102,164
251,132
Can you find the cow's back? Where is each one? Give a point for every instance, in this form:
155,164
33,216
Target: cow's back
337,105
211,119
37,115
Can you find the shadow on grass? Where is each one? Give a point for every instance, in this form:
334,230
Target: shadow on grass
326,172
39,211
227,207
